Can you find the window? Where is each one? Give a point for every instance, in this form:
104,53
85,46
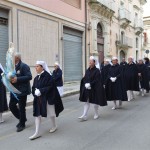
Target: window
99,31
137,42
122,37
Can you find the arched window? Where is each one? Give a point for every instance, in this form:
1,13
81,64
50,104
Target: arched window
99,31
100,42
122,55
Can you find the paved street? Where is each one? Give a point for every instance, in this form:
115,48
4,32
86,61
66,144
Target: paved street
122,129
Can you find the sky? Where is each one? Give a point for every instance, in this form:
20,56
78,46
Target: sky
146,9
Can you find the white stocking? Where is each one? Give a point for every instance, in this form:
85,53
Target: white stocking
120,103
86,109
142,92
51,110
129,95
53,122
1,118
132,94
96,109
37,126
115,105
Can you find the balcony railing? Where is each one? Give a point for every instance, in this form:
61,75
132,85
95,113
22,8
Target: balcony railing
107,3
125,42
125,14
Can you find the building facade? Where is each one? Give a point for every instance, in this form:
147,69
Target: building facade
146,37
69,31
114,28
53,30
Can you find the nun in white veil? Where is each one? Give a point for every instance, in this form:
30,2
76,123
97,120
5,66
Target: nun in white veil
57,75
46,98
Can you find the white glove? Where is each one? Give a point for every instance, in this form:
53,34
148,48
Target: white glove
37,92
113,79
88,86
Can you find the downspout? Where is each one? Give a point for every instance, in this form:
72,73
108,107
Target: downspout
86,2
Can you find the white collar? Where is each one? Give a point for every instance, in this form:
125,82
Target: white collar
40,73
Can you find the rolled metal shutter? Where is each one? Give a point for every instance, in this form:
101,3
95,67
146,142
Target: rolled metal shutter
3,36
72,57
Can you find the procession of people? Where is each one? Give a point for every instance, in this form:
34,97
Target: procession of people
111,82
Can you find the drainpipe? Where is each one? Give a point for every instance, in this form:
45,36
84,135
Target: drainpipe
86,2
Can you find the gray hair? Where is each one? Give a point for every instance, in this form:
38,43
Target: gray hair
17,54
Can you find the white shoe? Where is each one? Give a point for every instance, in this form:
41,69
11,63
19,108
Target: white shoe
139,93
96,116
114,108
53,129
120,104
83,118
2,121
35,136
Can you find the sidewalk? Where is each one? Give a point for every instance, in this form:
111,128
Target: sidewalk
69,89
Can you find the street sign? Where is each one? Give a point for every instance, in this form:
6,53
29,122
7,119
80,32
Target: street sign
147,51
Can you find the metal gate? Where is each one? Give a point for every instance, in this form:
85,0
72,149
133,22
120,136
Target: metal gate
3,35
72,56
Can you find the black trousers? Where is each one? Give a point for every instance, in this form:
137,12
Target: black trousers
18,108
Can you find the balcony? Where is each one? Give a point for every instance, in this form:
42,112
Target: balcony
104,7
143,2
124,17
124,43
139,26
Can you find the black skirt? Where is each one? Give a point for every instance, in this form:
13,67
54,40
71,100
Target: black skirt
3,98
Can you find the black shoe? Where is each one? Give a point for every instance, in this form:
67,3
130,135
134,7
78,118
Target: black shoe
20,128
17,126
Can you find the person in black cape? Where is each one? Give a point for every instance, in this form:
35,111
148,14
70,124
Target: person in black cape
147,63
46,98
143,77
105,70
123,63
3,98
91,90
114,88
57,76
131,78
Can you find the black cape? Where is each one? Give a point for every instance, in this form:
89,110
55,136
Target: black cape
143,69
131,77
148,66
115,90
104,73
49,94
3,97
97,94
